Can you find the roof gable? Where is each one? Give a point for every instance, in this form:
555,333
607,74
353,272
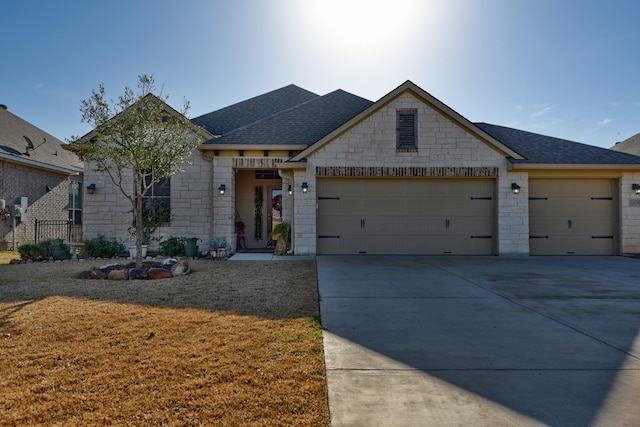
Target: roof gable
429,100
166,108
45,150
254,109
301,125
547,150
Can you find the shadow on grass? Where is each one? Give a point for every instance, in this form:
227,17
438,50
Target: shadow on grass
268,289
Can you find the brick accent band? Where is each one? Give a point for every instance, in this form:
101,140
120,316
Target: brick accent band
407,172
256,162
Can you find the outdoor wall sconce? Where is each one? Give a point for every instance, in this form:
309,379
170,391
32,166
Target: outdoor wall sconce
91,188
635,188
305,187
289,189
222,189
515,188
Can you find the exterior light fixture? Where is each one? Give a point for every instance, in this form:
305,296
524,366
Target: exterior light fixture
515,188
635,188
222,189
289,189
91,188
305,187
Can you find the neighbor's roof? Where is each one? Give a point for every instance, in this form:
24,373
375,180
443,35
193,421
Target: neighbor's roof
299,126
254,109
631,145
46,150
547,150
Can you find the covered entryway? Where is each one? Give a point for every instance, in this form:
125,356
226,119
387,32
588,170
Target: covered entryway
258,207
573,217
406,216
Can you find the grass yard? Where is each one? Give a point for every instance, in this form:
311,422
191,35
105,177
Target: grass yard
230,344
6,256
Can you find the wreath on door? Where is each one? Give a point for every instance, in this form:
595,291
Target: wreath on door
258,214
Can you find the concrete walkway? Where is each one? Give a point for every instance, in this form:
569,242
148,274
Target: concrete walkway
249,256
491,341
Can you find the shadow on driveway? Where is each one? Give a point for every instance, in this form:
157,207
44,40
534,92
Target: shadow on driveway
481,341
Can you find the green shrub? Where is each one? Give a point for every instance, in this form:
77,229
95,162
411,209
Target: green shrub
61,252
173,246
103,248
33,252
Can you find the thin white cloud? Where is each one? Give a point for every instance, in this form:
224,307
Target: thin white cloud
604,122
541,110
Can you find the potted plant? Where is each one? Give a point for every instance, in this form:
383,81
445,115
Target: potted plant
219,247
191,247
281,234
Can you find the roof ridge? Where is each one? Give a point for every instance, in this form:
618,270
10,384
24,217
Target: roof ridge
253,98
285,111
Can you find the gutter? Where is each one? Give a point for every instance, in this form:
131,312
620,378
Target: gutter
571,166
250,147
40,165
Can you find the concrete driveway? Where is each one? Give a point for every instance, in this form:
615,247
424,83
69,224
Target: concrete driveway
481,341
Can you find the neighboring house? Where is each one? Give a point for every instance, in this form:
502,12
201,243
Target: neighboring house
42,179
403,175
630,145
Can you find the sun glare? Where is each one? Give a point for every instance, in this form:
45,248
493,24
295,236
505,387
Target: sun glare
361,27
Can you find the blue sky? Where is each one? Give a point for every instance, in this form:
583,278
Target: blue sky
566,68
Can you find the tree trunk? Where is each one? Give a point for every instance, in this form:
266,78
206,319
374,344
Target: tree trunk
138,213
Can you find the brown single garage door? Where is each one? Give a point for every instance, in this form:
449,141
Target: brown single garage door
406,216
573,217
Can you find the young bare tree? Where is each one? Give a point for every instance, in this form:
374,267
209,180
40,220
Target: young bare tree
136,134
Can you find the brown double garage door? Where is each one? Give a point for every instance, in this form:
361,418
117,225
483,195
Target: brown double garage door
406,216
459,217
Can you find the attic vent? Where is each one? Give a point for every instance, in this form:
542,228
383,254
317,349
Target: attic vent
406,128
4,107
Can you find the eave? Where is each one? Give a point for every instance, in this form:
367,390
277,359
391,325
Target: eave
39,165
302,165
523,167
250,147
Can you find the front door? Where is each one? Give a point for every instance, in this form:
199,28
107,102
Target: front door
274,210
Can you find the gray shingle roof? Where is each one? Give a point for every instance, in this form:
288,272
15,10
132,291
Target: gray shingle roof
251,110
541,149
16,134
303,124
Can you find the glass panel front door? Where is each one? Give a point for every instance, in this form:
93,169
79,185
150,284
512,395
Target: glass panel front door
275,208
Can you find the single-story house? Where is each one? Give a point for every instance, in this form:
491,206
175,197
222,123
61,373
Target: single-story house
40,185
403,175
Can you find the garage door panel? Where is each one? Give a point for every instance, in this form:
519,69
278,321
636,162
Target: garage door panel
565,245
414,216
573,216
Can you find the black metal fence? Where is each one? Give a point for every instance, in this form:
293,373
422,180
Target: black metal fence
57,229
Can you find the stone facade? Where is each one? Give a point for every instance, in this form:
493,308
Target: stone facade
108,213
630,214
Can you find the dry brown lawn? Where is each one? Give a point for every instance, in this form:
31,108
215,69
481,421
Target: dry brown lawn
231,344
